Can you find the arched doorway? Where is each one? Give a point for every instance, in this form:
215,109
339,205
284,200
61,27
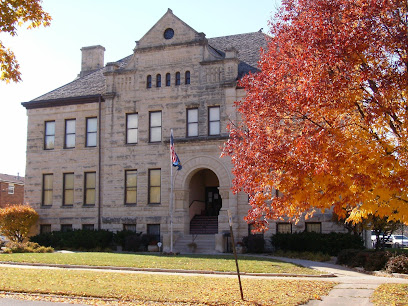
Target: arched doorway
205,202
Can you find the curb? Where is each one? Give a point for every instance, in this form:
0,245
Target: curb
158,270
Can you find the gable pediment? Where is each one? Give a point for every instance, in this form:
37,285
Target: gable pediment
169,30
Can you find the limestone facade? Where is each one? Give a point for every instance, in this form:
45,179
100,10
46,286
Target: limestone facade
108,162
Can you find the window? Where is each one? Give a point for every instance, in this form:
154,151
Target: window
168,79
154,230
49,133
187,77
129,227
283,228
158,80
154,186
177,78
315,227
131,128
155,126
89,188
130,186
68,186
91,131
10,189
45,228
214,120
192,122
88,227
69,133
149,81
66,227
47,189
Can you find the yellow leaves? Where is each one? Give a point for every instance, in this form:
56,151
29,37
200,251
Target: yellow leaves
16,221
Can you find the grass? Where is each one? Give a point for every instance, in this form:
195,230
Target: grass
391,294
143,288
188,262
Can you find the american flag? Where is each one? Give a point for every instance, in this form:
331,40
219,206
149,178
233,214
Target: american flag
174,158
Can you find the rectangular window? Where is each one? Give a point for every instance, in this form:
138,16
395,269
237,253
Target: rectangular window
10,189
315,227
69,133
214,120
45,228
154,230
49,138
47,189
89,188
129,227
131,128
68,189
88,227
91,131
154,186
284,228
155,121
66,227
192,122
130,186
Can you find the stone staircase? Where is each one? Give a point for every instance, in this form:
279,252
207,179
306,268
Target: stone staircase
202,225
205,244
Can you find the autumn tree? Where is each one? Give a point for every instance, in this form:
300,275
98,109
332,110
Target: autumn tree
15,13
325,121
16,221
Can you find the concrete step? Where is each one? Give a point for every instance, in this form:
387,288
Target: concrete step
205,244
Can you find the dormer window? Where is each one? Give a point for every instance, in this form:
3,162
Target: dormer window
158,80
168,33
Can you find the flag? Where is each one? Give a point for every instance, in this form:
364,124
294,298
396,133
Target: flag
174,158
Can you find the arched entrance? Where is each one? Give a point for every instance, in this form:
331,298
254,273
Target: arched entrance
205,202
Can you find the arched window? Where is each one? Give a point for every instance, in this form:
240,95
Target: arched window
187,78
177,78
149,81
158,80
168,79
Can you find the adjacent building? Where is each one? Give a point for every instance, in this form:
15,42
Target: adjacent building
11,190
98,147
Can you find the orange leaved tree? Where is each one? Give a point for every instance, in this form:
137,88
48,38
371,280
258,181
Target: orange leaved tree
325,121
16,221
14,13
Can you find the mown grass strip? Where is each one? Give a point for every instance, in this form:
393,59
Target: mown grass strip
161,288
225,263
390,294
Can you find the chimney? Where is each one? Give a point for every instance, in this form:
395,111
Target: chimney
92,59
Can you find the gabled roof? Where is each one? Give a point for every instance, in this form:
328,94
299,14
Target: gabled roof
11,179
93,85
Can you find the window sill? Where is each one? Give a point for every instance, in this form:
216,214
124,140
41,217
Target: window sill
88,205
67,206
46,206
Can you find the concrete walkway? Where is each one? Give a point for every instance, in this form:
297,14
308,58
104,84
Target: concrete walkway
354,288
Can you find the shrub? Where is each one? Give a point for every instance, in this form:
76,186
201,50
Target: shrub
254,243
76,239
370,260
398,264
318,256
16,221
27,247
331,243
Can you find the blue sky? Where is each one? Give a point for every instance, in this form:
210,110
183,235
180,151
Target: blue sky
51,57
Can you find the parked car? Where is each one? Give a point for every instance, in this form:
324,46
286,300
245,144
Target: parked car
387,239
399,241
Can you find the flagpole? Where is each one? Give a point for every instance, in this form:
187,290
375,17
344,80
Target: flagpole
171,200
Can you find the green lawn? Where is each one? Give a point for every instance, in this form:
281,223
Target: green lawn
188,262
142,288
391,294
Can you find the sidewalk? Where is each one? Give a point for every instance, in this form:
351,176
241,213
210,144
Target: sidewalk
355,288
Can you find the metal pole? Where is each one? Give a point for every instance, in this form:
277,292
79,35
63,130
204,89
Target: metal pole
171,201
235,254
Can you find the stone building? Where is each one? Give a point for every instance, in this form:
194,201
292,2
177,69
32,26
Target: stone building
11,190
98,147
